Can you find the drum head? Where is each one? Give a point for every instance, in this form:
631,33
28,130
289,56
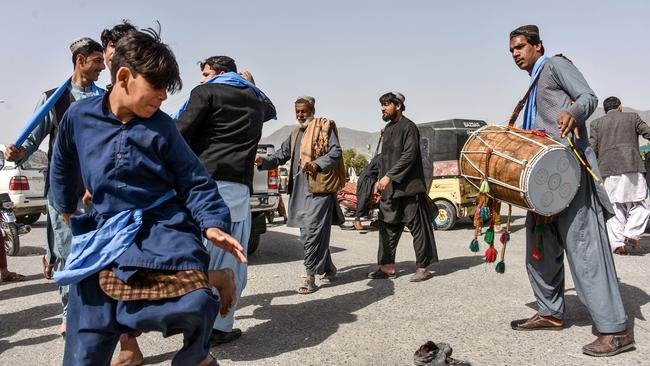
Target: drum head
552,181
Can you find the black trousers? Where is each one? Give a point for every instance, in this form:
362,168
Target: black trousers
420,224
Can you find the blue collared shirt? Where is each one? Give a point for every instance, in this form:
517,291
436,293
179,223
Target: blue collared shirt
129,166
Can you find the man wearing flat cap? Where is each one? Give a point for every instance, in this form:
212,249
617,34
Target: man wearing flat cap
316,174
88,61
404,201
559,102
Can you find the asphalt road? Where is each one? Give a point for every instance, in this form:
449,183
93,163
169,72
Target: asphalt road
355,321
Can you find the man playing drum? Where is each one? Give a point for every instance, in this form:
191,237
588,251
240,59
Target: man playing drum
560,103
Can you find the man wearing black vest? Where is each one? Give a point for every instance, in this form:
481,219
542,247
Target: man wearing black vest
88,61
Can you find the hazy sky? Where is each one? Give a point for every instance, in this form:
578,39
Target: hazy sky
450,58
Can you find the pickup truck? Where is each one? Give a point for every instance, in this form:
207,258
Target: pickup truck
265,198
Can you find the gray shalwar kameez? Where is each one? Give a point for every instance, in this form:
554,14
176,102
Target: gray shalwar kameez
580,229
312,213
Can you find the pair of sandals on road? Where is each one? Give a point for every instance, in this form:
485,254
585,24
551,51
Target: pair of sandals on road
436,354
309,286
418,276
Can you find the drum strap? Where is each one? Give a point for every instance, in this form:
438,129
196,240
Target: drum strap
522,102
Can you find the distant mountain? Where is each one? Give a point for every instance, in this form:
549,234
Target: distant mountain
359,140
645,116
349,139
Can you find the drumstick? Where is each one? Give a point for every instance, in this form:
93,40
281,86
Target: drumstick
575,152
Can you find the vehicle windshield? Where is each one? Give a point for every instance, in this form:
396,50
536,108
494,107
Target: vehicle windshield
38,161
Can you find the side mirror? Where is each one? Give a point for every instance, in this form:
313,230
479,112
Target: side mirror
2,159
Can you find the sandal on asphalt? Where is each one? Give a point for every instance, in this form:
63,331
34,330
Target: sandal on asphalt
13,277
419,277
330,275
308,287
381,275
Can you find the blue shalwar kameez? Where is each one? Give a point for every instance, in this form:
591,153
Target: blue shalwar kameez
127,167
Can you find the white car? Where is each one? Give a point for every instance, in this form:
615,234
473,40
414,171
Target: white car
25,185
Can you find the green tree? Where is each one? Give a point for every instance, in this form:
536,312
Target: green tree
354,160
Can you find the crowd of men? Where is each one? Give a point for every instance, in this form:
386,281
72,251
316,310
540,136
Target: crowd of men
159,199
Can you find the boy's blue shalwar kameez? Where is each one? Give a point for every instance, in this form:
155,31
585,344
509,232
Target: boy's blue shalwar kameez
128,167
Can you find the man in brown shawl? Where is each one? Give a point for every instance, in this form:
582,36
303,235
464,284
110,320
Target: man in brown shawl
316,173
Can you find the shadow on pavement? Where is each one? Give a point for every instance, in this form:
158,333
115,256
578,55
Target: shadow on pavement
634,299
289,327
28,251
163,357
5,345
278,247
27,279
28,290
38,317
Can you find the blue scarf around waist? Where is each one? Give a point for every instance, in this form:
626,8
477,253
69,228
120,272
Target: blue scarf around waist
227,78
95,250
531,102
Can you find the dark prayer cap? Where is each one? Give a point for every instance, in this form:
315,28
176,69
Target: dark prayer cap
530,30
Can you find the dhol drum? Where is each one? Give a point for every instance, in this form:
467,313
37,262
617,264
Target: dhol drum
524,168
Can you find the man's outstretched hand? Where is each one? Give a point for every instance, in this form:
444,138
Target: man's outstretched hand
227,243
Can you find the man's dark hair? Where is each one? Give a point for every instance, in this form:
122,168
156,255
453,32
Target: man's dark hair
87,49
392,98
145,54
219,64
530,32
611,103
116,33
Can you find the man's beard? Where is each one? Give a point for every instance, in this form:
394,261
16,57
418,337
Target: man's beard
305,123
388,116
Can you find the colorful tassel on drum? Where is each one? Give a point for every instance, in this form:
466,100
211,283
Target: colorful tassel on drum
489,235
485,187
491,254
504,239
474,246
484,213
538,250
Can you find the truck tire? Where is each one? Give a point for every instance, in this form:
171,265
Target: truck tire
253,243
28,219
258,227
11,240
270,216
446,215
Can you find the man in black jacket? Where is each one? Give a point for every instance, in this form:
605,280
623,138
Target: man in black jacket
222,122
403,193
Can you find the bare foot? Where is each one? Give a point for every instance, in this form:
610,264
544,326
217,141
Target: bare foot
130,354
62,329
388,268
224,281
